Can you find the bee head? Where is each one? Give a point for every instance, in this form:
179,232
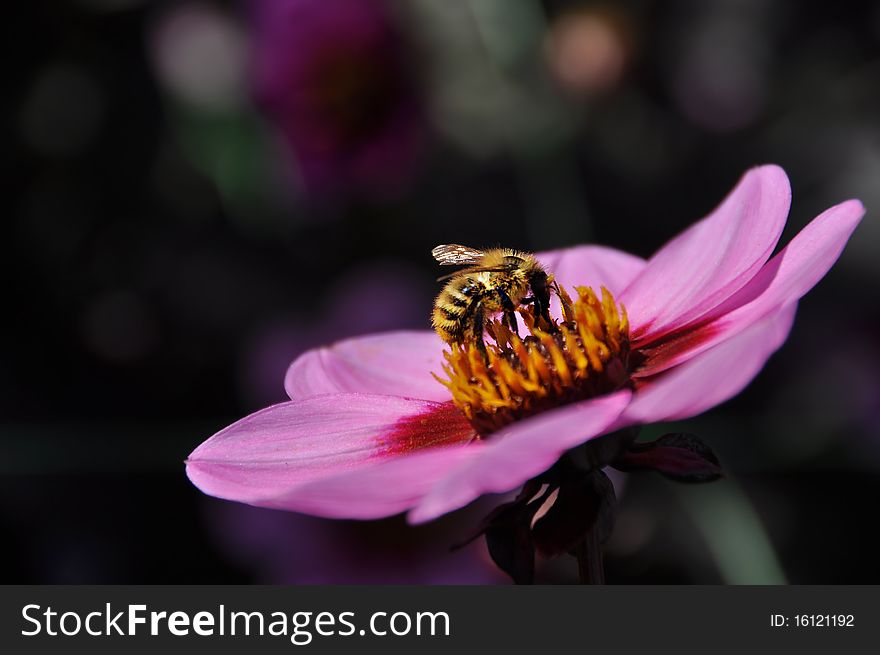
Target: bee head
539,280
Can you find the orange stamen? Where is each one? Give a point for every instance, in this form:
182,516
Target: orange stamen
514,377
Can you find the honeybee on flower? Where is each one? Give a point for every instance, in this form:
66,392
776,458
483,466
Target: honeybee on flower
495,280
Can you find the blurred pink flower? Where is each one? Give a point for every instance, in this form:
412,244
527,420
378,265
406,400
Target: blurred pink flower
369,432
334,78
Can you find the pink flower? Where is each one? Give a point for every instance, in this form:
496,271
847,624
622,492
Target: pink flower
336,80
370,432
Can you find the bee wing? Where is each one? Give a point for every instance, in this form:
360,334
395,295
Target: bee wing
471,270
453,254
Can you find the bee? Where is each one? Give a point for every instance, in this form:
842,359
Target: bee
496,280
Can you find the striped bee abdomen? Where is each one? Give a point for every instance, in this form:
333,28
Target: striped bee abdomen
455,309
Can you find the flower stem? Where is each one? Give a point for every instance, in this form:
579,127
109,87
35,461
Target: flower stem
591,569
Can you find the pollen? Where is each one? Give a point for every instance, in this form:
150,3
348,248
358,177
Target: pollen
581,356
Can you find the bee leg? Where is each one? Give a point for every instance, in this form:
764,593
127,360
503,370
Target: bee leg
481,345
512,322
542,309
509,312
478,326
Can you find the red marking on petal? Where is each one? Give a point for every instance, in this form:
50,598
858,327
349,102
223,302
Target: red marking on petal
665,351
640,332
442,425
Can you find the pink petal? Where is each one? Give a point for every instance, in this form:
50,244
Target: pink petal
782,280
391,363
520,452
593,266
386,488
712,259
266,457
712,377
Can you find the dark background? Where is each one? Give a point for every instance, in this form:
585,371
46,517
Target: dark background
165,260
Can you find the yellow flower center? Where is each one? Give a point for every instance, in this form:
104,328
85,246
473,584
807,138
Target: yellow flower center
583,356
